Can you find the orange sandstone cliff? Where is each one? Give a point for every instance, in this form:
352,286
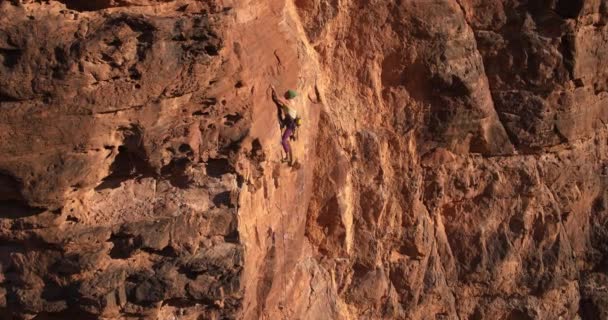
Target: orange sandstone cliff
453,159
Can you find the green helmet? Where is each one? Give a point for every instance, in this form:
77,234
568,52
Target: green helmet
291,94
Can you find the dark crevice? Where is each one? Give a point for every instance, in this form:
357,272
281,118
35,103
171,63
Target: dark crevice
145,38
134,74
168,252
588,309
124,246
10,187
15,209
212,50
180,303
10,57
14,206
190,274
234,144
209,102
61,56
185,148
4,97
115,43
34,243
219,167
240,180
131,161
61,69
232,119
569,8
560,135
67,314
175,172
223,199
87,5
567,50
232,237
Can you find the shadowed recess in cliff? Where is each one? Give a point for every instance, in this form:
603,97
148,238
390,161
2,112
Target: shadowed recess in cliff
10,188
13,209
10,57
175,172
89,5
218,167
130,162
12,203
569,8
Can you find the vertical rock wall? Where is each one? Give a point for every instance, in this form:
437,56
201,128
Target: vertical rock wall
461,157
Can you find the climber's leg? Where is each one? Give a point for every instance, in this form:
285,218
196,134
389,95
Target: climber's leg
285,143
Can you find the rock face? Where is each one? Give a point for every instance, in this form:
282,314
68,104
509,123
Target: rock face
453,160
117,167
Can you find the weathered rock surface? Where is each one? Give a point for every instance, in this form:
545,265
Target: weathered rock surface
119,189
454,160
470,184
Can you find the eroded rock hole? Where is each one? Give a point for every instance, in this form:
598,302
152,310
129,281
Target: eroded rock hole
185,148
223,199
88,5
256,146
145,42
145,29
60,70
134,74
589,309
569,8
124,246
232,119
451,86
200,113
114,42
9,188
144,290
128,163
218,167
519,315
131,161
175,172
4,97
15,209
179,303
257,152
167,251
233,143
12,203
10,57
567,49
209,102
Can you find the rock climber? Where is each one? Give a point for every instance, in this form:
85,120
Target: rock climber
288,119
